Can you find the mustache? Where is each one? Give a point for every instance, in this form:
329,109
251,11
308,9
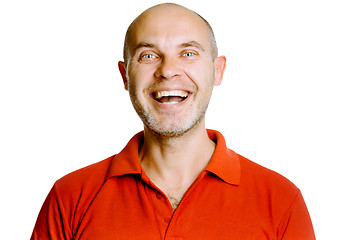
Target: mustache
171,85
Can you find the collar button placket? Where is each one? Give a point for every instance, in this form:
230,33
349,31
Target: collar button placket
162,209
159,196
167,220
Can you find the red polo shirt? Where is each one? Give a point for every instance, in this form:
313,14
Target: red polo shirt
233,198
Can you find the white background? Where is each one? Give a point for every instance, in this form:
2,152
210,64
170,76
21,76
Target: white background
289,100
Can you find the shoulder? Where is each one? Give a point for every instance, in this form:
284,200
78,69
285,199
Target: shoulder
91,176
265,180
274,197
267,191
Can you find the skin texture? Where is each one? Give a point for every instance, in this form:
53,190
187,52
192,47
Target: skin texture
170,47
130,33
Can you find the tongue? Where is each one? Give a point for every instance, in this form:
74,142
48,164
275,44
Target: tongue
170,99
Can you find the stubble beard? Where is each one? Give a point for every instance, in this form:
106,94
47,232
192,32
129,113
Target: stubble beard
174,129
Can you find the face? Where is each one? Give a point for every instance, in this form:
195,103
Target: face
171,71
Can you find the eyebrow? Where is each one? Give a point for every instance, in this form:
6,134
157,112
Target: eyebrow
193,44
143,45
183,45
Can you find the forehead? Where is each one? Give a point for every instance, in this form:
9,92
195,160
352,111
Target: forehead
169,25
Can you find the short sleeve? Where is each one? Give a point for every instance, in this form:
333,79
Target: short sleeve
52,220
296,223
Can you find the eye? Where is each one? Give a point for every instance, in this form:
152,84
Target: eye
188,54
148,56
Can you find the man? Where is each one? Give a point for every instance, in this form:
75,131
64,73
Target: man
174,180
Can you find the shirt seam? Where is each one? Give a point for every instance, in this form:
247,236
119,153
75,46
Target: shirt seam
62,211
288,210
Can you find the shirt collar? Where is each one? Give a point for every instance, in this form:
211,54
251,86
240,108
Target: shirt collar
224,163
127,161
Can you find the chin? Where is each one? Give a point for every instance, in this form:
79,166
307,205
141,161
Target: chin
172,131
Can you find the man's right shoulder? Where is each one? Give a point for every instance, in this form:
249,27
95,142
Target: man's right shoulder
89,177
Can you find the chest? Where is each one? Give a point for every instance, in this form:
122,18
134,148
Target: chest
174,195
205,212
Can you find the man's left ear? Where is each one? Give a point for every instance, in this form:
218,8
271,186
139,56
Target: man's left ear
220,65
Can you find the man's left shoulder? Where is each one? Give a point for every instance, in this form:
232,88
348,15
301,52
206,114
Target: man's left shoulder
265,179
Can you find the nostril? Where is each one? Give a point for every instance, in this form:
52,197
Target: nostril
167,69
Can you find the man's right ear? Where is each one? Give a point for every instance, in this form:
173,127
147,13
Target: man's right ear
122,70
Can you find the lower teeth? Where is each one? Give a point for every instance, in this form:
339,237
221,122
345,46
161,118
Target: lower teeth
169,103
168,100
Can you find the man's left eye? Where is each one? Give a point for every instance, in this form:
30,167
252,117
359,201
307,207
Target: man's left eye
188,54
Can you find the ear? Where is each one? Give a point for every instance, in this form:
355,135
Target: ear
220,65
122,70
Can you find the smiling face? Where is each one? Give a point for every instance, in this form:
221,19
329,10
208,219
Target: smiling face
171,69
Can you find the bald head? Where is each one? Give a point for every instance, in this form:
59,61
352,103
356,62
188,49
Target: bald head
166,11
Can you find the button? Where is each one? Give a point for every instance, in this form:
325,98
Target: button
158,195
167,219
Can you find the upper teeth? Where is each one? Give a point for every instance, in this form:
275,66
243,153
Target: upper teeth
177,93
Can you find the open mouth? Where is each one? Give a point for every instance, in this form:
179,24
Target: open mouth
170,97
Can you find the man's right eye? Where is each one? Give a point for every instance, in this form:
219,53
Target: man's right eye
148,56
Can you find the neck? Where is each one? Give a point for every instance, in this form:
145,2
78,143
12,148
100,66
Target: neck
176,161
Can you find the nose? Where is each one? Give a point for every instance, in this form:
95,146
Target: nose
168,68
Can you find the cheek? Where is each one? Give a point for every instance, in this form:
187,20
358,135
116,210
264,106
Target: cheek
140,77
202,75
